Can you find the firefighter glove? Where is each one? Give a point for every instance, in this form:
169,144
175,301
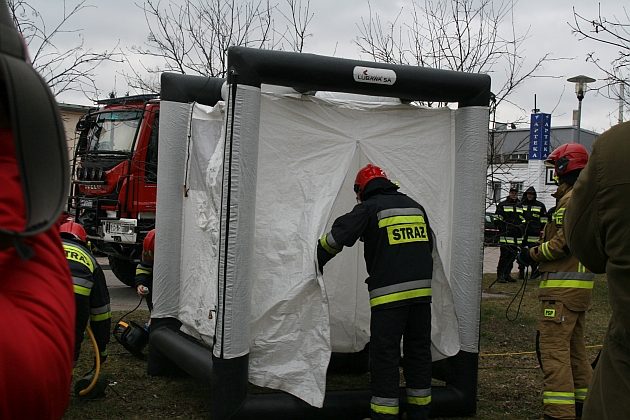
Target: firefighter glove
524,257
323,257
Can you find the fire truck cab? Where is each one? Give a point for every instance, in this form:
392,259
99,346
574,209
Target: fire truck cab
114,178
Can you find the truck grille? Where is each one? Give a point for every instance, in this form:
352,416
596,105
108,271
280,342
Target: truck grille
89,174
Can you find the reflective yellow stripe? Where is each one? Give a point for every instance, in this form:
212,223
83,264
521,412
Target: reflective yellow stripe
77,254
327,247
558,401
558,217
562,398
80,290
580,393
140,270
397,220
394,297
101,317
419,400
411,232
383,409
581,268
544,248
577,284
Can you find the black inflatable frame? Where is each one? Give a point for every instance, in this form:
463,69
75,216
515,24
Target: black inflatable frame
170,350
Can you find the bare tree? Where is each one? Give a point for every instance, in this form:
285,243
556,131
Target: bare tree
67,69
192,37
615,33
475,36
460,35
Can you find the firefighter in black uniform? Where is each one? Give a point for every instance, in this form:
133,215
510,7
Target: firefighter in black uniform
509,221
398,247
144,269
535,218
90,290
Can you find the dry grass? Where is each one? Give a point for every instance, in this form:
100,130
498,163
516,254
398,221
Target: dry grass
509,376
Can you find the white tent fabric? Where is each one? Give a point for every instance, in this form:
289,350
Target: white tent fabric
309,152
171,153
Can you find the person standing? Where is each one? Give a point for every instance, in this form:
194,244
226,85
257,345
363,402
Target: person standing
398,248
90,289
598,232
534,218
144,269
509,221
565,295
36,301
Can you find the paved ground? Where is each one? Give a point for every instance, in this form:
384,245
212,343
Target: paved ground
124,298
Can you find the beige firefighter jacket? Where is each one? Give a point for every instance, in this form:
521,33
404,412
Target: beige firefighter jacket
598,227
598,231
564,277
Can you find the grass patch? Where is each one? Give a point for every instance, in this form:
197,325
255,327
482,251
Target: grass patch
510,380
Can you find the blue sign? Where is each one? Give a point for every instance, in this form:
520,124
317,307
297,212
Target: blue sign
540,136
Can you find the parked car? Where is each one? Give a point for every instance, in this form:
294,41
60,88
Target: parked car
490,231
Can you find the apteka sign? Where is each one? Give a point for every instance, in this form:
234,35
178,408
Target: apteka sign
539,136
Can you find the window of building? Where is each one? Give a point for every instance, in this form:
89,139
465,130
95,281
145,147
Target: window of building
494,191
516,157
518,186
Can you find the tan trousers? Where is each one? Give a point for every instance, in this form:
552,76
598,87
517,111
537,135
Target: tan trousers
562,356
608,397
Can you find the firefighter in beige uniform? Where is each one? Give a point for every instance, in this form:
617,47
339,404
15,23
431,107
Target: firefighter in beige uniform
598,231
565,293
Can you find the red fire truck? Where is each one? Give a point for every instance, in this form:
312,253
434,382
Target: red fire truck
114,178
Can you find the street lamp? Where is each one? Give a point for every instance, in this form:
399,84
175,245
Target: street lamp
581,82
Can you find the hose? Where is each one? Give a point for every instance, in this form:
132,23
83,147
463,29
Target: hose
97,364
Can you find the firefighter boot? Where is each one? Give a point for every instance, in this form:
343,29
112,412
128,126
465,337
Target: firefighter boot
578,410
415,412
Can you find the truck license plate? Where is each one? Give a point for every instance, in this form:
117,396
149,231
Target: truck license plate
86,203
116,228
120,231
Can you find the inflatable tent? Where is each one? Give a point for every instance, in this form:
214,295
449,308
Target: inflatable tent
252,174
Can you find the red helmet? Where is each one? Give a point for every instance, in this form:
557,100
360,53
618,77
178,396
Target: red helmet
73,230
365,175
567,158
148,246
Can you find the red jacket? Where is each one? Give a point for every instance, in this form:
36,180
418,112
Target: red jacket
36,309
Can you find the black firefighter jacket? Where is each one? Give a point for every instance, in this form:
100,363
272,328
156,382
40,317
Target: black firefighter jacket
509,220
397,240
535,217
91,296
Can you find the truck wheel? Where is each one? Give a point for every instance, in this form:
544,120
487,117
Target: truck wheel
124,270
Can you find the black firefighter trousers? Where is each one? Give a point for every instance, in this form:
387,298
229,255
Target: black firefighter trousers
388,326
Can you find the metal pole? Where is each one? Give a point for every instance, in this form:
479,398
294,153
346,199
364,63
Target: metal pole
621,101
579,120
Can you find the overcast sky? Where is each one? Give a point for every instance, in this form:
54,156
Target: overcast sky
334,28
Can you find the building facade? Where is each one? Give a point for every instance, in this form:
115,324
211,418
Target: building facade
70,115
509,163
